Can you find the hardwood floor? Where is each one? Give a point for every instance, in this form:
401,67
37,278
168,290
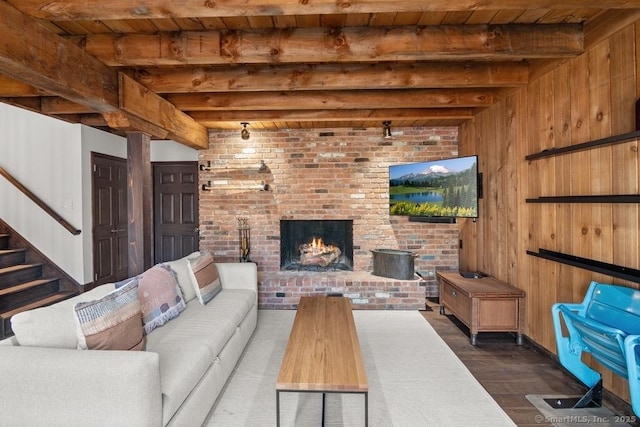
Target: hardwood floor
510,372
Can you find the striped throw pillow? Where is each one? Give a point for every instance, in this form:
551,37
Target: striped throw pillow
205,277
112,322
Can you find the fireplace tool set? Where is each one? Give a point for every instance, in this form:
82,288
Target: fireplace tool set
244,232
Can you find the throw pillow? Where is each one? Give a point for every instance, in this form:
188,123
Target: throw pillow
183,274
205,277
112,322
160,296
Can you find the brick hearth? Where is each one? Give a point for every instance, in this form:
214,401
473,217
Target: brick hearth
331,174
365,290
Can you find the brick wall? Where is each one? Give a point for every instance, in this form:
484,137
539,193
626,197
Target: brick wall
319,174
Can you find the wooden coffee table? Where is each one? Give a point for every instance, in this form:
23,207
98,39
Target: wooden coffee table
323,353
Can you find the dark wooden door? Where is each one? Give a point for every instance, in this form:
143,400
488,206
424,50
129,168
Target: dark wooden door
175,207
110,243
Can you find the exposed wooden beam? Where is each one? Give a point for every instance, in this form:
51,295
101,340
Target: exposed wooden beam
210,118
139,201
128,123
349,44
46,61
125,9
55,105
334,76
11,87
141,102
345,100
28,103
57,66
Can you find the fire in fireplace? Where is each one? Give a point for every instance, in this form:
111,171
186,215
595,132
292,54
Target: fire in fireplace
316,245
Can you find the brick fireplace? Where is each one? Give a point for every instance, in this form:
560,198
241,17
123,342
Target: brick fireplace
328,174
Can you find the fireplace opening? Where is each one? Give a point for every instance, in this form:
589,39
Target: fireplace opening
316,245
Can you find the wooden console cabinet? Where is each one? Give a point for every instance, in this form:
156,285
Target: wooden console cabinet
484,304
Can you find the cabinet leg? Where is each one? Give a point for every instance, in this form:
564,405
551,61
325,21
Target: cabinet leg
519,339
474,339
442,310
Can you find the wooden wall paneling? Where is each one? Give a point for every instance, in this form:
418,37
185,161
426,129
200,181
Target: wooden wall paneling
468,229
589,97
482,142
624,156
512,159
521,243
600,159
547,182
562,138
501,207
535,318
580,132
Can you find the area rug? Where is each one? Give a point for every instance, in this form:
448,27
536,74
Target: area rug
570,417
415,379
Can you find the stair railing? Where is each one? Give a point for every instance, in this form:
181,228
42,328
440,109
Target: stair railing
39,202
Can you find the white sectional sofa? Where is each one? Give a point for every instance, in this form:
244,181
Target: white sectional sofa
174,381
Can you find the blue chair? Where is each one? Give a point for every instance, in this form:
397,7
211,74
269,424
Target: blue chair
607,325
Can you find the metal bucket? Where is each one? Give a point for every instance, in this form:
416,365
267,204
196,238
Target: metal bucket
393,263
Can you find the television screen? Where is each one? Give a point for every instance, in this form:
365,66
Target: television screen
438,188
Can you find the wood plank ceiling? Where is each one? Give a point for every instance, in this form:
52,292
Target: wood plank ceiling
176,68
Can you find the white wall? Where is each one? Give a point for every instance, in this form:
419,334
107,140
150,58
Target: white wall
44,155
52,158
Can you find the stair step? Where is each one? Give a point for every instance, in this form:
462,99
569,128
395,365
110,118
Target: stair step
9,257
24,293
16,274
51,299
25,286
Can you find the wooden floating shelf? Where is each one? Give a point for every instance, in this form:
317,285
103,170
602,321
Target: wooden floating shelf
613,198
613,270
611,140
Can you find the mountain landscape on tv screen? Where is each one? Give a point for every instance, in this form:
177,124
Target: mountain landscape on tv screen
435,189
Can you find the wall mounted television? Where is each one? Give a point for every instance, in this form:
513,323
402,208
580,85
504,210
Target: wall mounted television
446,188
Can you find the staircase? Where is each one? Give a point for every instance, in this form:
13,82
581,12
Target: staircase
23,285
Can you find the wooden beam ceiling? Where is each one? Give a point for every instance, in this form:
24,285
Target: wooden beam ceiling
173,68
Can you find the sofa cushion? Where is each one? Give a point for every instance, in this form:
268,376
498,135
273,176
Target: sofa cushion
212,324
160,296
55,325
112,322
205,277
183,273
183,363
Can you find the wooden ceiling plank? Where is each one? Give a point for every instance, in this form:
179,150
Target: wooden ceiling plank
608,23
211,117
125,9
334,77
318,100
139,101
350,44
53,64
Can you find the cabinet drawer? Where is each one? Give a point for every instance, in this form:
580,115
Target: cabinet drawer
458,302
